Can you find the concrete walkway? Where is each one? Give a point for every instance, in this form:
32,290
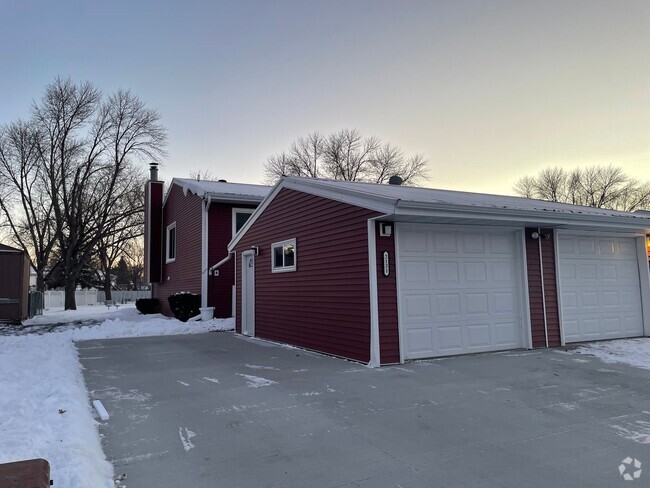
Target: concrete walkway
219,410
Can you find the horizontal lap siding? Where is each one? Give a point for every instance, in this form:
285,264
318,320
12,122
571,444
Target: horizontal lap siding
535,289
219,235
325,304
184,274
387,295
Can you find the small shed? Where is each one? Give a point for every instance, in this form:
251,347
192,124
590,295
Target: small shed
14,284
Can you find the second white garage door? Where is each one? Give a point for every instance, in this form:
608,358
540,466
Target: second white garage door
600,290
459,290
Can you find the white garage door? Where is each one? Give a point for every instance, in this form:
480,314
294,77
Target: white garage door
459,290
599,286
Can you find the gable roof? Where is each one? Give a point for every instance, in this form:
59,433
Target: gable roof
9,249
408,196
448,206
222,191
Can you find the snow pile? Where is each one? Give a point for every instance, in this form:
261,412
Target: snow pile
100,323
45,408
46,413
635,352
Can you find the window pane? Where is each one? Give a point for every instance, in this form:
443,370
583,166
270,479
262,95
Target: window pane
289,255
240,220
172,243
277,257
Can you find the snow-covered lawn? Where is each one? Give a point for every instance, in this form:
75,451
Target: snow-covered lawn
635,352
45,410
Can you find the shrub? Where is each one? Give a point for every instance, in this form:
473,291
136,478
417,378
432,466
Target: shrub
147,306
185,305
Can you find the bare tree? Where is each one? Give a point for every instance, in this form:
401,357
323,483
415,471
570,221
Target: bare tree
127,226
82,172
203,175
345,155
27,210
596,186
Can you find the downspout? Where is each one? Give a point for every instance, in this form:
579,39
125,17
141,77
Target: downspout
375,360
204,252
541,272
214,268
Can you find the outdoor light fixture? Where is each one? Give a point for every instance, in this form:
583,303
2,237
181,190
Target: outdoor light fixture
535,235
256,250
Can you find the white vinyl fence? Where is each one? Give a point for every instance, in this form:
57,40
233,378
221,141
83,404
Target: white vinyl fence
123,296
56,298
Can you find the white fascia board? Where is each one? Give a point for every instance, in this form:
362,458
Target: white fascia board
382,205
230,198
258,211
540,218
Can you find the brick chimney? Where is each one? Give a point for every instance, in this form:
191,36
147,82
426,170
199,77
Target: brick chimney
153,231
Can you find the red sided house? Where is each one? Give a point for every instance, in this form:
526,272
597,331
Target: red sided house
187,230
385,273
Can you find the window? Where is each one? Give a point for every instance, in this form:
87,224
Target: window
239,217
170,254
283,255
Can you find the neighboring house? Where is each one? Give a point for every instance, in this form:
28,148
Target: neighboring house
187,230
385,273
14,284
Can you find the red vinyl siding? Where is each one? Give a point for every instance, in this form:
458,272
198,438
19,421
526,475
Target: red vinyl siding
184,274
325,304
153,235
535,288
387,295
219,235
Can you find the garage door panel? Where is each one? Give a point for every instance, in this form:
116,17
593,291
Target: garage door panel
503,334
446,272
450,338
418,306
478,336
448,305
419,341
444,242
474,293
502,243
600,289
416,272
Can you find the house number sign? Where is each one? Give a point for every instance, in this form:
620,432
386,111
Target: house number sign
386,264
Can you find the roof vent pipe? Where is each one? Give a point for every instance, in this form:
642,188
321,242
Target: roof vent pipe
153,170
395,180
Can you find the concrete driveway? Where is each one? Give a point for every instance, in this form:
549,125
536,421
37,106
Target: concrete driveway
219,410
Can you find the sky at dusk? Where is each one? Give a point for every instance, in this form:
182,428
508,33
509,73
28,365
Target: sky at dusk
488,91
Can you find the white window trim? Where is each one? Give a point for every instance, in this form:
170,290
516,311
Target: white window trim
284,269
167,258
235,211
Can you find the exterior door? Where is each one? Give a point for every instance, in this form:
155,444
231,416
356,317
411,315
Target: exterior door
248,294
600,288
460,290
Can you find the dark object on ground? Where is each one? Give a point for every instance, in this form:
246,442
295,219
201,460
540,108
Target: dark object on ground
185,305
34,473
147,306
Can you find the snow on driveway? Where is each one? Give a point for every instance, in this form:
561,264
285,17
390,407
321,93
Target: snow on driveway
635,352
45,407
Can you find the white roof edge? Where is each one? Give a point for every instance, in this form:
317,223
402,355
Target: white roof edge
188,186
388,205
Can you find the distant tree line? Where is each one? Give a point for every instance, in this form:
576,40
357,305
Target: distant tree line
595,186
345,155
71,188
